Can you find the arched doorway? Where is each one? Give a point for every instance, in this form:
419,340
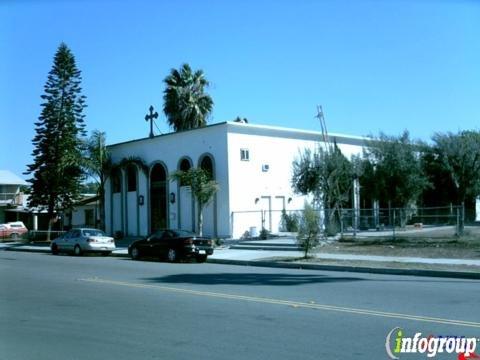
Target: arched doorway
131,208
209,214
185,200
158,198
117,203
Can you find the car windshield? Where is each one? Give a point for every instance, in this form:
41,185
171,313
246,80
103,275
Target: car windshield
182,233
93,232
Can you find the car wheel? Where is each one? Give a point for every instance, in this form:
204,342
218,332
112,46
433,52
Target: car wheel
135,253
172,255
14,236
54,249
201,258
77,251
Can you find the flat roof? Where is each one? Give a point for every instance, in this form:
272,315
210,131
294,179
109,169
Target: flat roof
248,128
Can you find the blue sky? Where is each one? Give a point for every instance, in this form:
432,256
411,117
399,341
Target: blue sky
373,65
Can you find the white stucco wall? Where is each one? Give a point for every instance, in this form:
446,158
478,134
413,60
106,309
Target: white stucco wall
236,208
132,213
108,208
169,149
117,213
143,209
252,189
78,215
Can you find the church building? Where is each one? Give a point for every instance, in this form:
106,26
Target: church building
251,163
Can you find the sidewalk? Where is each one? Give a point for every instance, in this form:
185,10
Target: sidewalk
256,255
458,268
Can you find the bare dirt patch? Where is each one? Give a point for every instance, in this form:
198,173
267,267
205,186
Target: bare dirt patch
430,243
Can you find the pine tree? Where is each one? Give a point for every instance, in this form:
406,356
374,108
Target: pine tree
58,142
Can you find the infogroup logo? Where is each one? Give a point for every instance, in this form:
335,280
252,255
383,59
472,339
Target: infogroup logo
397,343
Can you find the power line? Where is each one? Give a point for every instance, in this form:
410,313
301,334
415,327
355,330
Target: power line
154,123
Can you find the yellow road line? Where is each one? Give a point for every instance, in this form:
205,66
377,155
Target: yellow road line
295,304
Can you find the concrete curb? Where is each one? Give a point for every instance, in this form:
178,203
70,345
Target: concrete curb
305,266
358,269
23,249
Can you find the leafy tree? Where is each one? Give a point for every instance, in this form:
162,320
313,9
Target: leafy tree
89,188
364,170
328,175
325,174
203,189
58,143
133,160
186,104
459,156
308,229
396,168
443,190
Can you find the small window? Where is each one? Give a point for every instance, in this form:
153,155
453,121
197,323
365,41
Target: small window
244,155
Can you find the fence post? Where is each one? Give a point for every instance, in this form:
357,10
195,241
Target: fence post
355,222
341,223
460,219
394,224
458,222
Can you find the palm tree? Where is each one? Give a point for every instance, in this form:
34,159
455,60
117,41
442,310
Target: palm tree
98,165
203,190
186,104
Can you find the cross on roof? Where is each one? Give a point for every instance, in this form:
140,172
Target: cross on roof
151,116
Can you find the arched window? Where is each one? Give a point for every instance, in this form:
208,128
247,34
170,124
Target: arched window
207,165
132,178
117,181
185,165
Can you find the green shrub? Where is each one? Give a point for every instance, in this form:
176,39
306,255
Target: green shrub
264,234
308,229
290,221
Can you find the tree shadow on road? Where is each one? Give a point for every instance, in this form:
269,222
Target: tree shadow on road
250,279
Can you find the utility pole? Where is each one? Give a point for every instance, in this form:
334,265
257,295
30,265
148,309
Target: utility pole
323,126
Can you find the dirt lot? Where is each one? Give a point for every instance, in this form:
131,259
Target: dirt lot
428,243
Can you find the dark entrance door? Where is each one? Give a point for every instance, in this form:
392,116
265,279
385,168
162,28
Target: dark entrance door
158,198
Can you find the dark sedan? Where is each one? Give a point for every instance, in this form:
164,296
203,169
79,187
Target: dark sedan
172,245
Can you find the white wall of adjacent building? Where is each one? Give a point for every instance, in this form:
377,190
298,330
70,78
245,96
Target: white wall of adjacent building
260,187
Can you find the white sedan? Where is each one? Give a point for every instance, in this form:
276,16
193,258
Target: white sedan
81,240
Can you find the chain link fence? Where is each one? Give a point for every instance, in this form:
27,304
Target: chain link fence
443,221
446,221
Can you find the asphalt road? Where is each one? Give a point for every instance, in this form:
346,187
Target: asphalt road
65,307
